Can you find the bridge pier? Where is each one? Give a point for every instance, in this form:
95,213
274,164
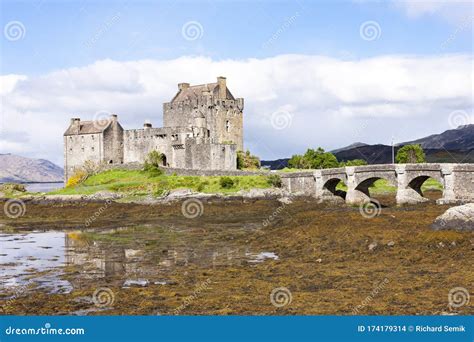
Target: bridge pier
355,195
449,195
407,194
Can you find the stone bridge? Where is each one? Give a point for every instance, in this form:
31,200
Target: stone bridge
457,181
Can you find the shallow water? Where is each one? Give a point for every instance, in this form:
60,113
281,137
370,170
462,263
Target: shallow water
59,261
43,187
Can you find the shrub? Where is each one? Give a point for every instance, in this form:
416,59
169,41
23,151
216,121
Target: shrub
77,177
11,187
274,180
152,164
245,160
226,182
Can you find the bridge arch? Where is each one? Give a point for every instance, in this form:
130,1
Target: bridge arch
331,186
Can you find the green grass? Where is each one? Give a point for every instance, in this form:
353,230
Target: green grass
382,186
139,183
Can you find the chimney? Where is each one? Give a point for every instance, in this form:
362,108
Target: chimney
75,120
182,86
113,117
222,87
147,125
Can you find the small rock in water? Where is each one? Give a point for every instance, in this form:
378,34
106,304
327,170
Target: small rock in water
138,282
319,260
391,244
285,200
372,246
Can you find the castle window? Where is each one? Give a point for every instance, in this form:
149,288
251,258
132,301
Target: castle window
82,137
92,148
227,126
92,137
82,149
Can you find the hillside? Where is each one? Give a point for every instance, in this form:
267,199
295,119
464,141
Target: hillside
459,139
28,170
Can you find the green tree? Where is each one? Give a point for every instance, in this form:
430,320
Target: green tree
245,160
353,162
410,154
314,159
296,162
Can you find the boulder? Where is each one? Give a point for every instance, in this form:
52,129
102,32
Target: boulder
459,218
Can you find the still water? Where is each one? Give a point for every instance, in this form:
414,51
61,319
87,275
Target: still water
60,261
43,187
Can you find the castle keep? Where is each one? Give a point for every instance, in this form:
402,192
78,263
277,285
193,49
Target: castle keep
202,129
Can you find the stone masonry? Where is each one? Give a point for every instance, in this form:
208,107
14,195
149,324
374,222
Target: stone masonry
203,130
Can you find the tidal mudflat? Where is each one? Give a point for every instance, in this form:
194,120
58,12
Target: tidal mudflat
238,257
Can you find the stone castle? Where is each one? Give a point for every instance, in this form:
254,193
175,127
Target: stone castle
202,130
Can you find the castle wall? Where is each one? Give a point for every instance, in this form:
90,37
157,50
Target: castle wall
80,148
223,117
113,144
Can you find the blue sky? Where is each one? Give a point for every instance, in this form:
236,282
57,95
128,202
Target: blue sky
67,36
57,32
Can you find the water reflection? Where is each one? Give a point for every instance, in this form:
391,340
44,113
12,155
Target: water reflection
62,261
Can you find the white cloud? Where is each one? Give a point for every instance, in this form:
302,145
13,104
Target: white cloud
332,102
454,11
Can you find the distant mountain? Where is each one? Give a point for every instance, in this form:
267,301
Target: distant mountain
452,146
28,170
461,138
351,146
